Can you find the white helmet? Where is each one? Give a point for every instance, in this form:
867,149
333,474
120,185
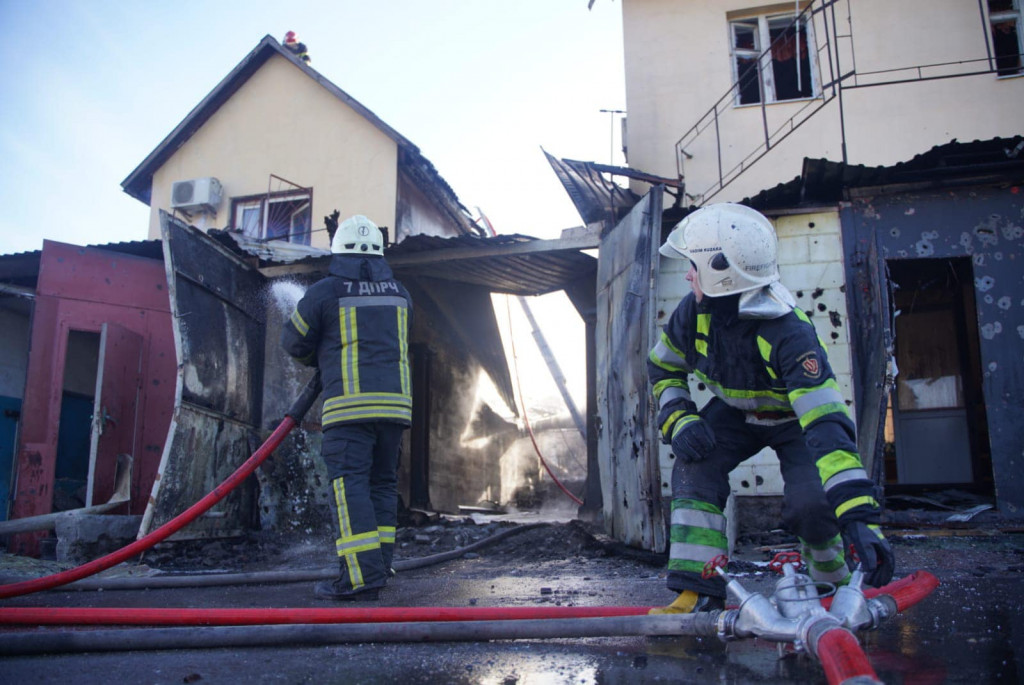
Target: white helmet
358,235
733,248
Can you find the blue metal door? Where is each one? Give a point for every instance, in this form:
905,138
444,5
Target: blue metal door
10,412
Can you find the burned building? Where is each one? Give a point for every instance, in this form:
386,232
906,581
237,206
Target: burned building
910,275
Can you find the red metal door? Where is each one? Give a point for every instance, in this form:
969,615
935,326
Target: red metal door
115,408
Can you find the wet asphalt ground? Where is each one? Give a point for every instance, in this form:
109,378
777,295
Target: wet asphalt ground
971,629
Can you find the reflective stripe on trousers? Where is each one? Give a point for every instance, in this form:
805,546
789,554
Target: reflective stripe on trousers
350,544
697,535
826,562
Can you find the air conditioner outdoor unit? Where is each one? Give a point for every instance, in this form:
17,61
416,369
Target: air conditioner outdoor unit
198,193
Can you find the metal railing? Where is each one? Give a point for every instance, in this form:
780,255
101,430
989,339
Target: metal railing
835,60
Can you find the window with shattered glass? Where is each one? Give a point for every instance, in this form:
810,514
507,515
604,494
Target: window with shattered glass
278,216
771,59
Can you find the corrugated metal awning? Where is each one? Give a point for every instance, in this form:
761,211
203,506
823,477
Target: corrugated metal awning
511,264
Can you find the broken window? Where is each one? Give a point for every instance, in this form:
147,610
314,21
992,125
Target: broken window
277,216
1005,19
784,71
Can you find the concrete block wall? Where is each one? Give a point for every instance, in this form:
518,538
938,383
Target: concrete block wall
811,266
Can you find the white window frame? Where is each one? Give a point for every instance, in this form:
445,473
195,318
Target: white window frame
1013,15
762,40
246,207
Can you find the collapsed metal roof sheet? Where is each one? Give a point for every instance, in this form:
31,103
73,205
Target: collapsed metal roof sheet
595,198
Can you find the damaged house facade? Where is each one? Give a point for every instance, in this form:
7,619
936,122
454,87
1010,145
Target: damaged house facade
242,208
835,118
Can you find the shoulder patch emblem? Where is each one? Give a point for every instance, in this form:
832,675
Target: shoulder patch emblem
811,365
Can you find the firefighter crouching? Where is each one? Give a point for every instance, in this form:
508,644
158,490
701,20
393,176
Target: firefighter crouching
354,326
740,333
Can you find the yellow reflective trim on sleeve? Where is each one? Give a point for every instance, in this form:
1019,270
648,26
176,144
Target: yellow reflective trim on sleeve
658,360
797,393
836,462
663,385
671,421
823,410
300,324
701,346
855,502
688,419
387,534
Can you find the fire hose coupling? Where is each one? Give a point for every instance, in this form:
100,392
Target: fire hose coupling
756,616
794,613
813,629
857,612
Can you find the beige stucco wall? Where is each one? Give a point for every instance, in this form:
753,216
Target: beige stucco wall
282,122
811,266
678,65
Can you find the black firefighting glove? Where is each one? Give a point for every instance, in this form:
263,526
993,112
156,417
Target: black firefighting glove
692,439
873,551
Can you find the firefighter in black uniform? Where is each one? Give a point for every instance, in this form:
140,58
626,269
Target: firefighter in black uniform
740,333
354,326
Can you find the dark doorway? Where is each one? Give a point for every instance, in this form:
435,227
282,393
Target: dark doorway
936,430
72,468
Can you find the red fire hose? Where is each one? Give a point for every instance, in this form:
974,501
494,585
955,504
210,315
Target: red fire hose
843,658
906,591
291,419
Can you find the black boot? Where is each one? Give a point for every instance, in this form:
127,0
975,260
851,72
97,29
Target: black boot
340,591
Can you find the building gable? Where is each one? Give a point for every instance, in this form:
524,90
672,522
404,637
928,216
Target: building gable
264,121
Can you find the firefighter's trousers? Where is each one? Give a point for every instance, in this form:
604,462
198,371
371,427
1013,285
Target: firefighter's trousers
362,463
700,490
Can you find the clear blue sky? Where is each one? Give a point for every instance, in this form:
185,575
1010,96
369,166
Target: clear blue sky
89,88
